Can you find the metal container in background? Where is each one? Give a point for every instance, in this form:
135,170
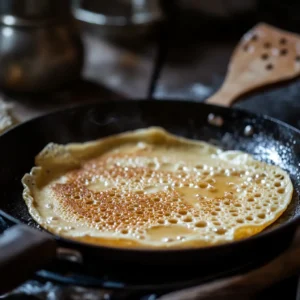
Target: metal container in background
40,46
119,19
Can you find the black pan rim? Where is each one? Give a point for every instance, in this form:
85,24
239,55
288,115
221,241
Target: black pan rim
157,100
146,251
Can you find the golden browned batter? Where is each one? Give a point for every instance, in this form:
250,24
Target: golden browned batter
148,188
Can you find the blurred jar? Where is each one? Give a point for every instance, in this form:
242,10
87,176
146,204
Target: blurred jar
40,47
119,19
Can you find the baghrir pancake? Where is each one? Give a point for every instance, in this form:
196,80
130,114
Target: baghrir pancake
149,188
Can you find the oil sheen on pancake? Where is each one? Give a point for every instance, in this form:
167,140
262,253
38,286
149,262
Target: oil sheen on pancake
149,188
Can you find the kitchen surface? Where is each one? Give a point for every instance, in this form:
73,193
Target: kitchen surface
193,46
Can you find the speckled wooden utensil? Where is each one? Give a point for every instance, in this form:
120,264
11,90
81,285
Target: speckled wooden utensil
265,55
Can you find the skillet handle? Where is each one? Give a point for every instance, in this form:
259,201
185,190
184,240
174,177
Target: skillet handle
247,285
23,250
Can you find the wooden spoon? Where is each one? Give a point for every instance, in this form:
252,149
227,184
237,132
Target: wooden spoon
265,55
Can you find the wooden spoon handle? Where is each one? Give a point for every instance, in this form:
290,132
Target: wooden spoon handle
225,96
245,286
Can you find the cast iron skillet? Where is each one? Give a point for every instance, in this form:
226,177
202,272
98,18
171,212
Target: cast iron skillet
27,250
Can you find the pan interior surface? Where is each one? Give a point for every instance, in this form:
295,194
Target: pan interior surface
269,141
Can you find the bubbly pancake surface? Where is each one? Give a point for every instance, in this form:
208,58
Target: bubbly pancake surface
148,188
